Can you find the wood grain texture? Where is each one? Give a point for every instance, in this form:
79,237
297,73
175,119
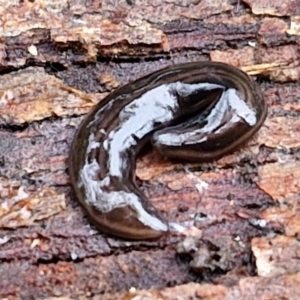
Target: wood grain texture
59,58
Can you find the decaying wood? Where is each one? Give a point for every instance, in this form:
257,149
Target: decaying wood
59,58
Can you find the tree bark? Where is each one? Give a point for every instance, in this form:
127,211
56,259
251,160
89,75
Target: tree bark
57,60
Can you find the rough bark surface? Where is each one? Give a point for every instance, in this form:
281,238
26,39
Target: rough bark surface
59,58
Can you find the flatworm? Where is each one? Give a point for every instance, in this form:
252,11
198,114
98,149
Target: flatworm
194,111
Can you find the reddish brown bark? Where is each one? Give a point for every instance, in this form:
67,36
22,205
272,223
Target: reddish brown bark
59,58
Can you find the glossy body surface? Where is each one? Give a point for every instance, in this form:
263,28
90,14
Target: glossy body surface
195,111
